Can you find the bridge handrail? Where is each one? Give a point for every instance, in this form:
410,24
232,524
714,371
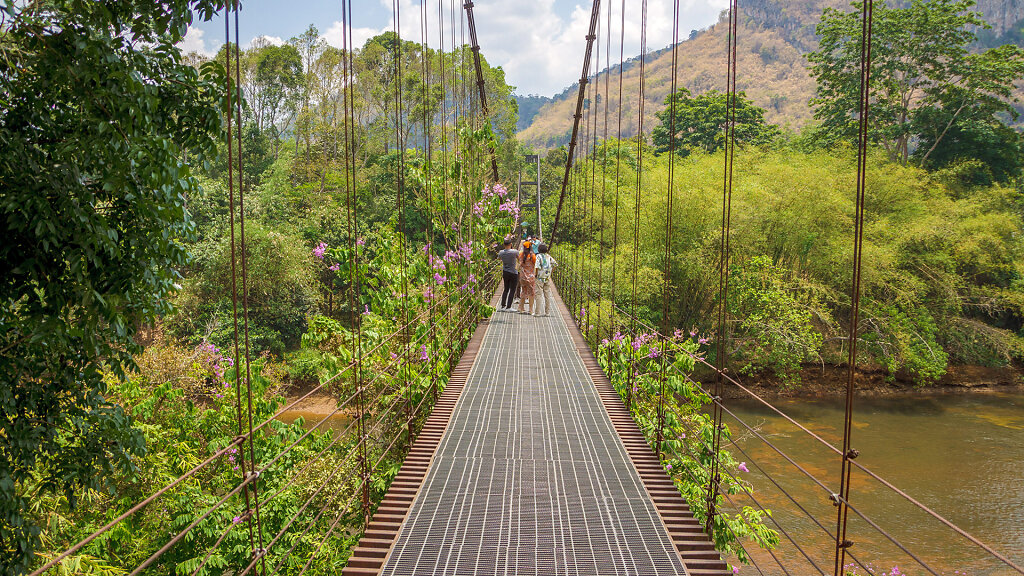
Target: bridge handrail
718,401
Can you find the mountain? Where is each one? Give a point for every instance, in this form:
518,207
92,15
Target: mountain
773,37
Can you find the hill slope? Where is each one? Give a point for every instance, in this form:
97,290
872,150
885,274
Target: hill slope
773,36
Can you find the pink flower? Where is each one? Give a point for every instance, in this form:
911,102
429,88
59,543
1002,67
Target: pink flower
654,353
334,267
394,356
743,467
236,519
439,279
478,209
702,341
423,353
366,308
319,251
500,190
735,569
426,249
449,256
466,249
360,241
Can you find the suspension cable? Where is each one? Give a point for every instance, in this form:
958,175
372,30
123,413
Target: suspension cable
858,240
724,251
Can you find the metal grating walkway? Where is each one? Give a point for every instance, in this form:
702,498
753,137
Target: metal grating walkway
530,476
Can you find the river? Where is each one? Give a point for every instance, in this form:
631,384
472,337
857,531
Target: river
960,454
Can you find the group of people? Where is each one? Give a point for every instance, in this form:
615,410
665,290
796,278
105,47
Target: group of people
527,273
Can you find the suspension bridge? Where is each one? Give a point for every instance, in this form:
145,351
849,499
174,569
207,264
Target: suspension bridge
530,455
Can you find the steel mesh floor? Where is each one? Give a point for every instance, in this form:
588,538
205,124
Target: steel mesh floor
529,477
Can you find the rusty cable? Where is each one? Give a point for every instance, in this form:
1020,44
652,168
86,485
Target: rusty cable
858,241
724,246
594,14
229,117
667,270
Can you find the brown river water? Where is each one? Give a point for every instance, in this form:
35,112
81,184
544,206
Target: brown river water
960,454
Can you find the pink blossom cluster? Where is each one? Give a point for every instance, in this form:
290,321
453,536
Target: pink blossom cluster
320,250
218,364
510,207
492,191
231,458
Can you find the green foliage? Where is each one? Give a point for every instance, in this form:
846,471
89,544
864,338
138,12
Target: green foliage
183,401
96,112
904,340
700,122
941,259
926,85
281,291
775,315
647,373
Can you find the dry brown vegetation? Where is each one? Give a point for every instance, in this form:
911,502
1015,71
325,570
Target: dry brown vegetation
773,36
773,74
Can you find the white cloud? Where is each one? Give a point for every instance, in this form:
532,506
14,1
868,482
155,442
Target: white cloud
194,42
273,40
334,35
541,51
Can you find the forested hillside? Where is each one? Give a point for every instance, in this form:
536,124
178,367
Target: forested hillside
774,36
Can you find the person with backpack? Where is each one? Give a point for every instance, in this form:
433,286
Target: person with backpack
545,265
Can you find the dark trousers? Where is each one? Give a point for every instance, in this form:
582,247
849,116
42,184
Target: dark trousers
509,293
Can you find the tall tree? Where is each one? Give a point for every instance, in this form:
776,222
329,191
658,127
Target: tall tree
97,110
272,85
700,122
920,64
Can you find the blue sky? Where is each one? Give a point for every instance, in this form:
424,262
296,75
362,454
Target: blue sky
539,43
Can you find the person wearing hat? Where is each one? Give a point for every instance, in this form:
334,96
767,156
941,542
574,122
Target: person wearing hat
527,277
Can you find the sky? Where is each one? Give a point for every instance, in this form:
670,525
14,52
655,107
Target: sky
538,43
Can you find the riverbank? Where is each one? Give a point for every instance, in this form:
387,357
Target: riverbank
816,382
830,380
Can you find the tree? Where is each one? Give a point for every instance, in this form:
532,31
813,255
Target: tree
272,83
700,122
920,64
97,111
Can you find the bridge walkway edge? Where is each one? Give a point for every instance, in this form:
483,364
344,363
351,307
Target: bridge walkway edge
694,547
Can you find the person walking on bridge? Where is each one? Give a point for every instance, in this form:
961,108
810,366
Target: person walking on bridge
527,277
509,274
545,265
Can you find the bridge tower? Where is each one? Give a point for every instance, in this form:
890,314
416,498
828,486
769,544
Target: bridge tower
535,160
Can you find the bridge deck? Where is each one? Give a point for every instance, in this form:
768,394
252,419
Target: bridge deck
531,475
